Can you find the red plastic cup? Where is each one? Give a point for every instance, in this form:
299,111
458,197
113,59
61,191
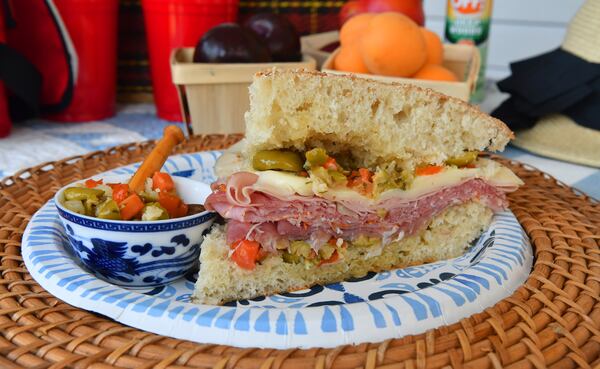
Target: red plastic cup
92,26
172,24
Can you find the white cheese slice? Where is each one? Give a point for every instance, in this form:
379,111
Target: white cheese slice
284,185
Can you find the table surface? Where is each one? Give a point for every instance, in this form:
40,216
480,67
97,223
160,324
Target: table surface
37,141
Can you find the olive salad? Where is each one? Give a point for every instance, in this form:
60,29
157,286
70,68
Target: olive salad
157,201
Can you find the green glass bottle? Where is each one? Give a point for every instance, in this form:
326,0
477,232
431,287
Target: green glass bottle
468,21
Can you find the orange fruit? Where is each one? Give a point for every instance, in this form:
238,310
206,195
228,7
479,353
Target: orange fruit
349,59
436,73
435,50
393,45
354,28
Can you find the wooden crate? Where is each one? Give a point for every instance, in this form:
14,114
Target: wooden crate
214,97
462,60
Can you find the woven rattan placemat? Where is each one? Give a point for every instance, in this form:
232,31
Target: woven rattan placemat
551,321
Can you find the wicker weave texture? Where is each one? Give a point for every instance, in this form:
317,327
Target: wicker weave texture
552,321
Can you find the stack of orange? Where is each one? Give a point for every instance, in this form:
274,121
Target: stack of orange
390,44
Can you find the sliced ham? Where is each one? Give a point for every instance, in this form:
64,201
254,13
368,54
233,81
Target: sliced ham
268,220
239,188
264,233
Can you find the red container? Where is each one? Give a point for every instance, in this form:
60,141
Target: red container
92,26
5,122
88,30
173,24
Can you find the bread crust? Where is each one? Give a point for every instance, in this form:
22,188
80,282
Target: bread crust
432,93
378,121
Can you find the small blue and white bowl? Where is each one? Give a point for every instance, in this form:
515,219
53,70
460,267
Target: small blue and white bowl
139,254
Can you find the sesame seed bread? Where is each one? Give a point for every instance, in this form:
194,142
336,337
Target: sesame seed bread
220,280
377,121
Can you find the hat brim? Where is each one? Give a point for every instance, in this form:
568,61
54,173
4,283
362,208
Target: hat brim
559,137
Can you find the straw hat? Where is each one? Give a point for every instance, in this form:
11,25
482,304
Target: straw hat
556,135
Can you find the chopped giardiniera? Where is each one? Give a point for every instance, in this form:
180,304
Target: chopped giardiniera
290,258
300,248
75,206
83,194
390,176
326,251
316,157
108,210
116,201
153,211
366,241
337,178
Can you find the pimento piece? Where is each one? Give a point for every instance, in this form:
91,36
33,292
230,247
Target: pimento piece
365,174
334,257
330,164
90,183
172,204
119,191
131,206
182,210
245,254
428,170
362,181
163,182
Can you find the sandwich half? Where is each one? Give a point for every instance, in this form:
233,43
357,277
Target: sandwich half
340,176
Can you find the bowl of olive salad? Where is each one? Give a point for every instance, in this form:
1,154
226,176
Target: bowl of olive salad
150,243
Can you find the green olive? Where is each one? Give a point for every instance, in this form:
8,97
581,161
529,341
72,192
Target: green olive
108,210
90,208
154,211
288,161
149,196
326,251
388,177
323,174
366,241
301,248
297,252
75,206
338,178
83,194
317,156
291,258
90,197
464,159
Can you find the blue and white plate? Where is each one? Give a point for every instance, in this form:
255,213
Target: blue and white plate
369,309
